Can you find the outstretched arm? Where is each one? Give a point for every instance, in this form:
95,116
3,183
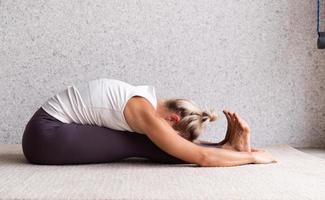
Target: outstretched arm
207,143
167,139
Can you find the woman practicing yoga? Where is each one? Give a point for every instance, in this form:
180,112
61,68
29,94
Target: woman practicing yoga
106,120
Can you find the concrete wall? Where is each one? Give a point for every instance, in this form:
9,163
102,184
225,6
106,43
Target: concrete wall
258,58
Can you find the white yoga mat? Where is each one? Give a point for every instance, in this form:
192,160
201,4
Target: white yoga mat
297,175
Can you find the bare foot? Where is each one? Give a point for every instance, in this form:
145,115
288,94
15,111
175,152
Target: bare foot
238,133
228,133
226,143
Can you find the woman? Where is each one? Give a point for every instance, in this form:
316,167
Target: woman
106,120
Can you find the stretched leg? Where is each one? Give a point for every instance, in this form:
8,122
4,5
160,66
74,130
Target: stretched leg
49,141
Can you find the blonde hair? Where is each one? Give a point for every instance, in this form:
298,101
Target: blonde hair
192,118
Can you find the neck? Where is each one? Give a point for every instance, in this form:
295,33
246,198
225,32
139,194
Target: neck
161,111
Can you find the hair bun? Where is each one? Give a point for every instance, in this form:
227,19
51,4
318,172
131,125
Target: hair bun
209,115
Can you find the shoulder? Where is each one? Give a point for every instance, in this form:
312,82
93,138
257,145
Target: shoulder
141,105
140,114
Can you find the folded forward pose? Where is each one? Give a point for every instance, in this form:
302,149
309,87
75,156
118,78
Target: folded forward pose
106,120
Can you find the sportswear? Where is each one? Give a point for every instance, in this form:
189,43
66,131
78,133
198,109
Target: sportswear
98,102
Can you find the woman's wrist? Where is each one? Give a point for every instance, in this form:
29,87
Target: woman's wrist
224,157
252,157
249,156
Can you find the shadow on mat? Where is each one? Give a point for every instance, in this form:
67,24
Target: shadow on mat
17,158
13,158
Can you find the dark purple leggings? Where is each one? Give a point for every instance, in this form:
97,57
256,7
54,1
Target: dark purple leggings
46,140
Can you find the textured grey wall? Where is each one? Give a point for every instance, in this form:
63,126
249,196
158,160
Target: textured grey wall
258,58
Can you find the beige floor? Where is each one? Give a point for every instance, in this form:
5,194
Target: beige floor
297,175
319,152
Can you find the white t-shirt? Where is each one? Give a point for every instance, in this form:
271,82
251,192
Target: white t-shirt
97,102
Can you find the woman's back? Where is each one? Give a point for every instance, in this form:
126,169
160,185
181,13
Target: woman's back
97,102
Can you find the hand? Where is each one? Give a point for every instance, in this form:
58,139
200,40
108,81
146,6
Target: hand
263,157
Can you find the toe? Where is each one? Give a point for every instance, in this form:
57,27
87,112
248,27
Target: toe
245,128
232,116
242,124
238,118
236,115
227,116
